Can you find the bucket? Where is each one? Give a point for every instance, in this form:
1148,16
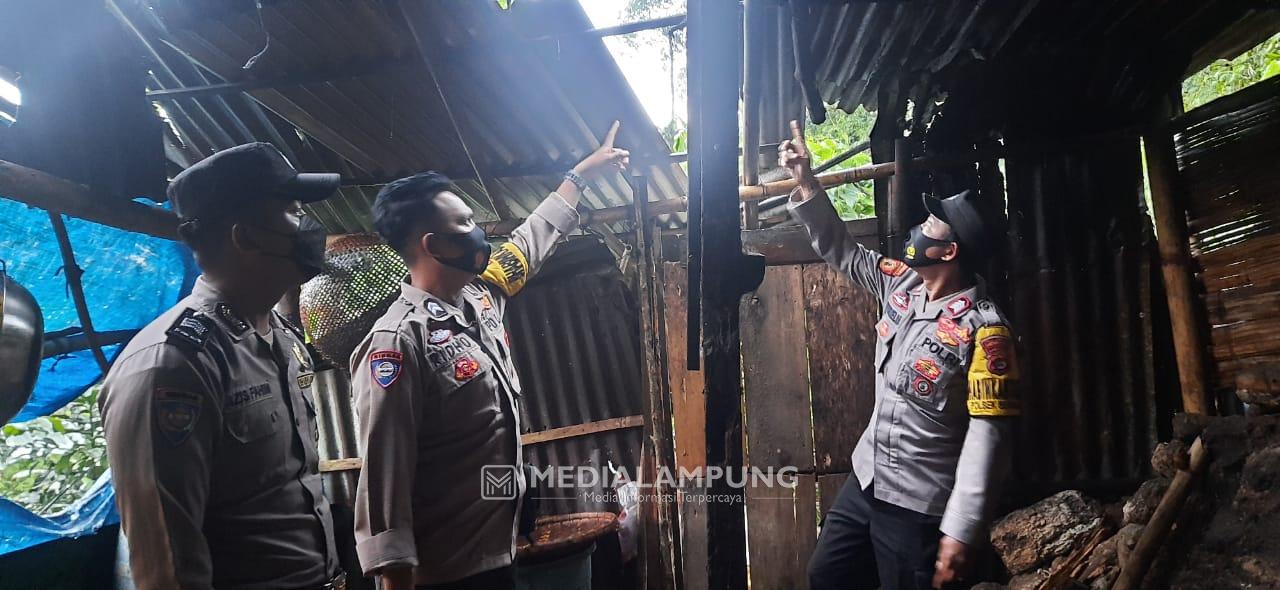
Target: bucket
557,555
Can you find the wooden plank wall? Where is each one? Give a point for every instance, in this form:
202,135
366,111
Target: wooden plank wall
807,348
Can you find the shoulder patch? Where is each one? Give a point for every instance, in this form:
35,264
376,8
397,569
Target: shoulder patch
176,414
384,366
993,368
190,330
958,306
508,269
891,267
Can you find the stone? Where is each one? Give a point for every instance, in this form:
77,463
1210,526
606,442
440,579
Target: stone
1259,386
1034,536
1101,560
1139,508
1186,427
1126,540
1028,581
1169,457
1259,491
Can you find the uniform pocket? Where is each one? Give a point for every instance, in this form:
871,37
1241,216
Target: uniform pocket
254,423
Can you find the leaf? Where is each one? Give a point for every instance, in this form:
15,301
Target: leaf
1272,69
57,424
505,4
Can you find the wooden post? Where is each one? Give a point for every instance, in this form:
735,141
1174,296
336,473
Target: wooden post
660,519
1176,262
1144,552
725,273
751,84
898,195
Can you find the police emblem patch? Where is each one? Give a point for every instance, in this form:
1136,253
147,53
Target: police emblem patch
176,414
900,300
305,380
191,329
882,328
385,366
891,267
996,350
465,368
958,306
439,336
923,387
928,368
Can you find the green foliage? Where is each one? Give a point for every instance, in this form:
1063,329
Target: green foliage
837,134
1223,77
50,462
505,4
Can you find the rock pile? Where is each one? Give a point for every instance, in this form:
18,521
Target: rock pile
1227,535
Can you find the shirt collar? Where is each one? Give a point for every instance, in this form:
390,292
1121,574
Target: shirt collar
436,308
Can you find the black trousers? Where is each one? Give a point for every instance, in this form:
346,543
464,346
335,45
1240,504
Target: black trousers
867,544
503,578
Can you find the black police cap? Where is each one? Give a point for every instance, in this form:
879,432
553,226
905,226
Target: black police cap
234,177
961,213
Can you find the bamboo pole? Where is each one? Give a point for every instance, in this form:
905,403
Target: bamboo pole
73,272
1153,535
1176,262
51,193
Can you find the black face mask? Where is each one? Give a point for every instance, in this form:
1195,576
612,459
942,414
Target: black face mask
475,250
917,245
307,247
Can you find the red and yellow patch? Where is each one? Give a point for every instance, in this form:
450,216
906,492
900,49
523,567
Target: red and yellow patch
882,328
892,268
928,368
949,332
465,368
991,373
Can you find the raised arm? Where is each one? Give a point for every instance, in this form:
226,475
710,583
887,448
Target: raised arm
516,261
161,423
830,239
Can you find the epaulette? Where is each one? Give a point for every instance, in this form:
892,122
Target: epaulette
286,322
191,330
989,314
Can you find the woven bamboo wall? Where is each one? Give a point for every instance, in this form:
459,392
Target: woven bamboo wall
1227,156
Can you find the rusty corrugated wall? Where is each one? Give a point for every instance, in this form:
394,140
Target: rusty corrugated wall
577,348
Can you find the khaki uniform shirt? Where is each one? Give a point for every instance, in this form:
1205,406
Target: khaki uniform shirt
211,437
938,441
438,400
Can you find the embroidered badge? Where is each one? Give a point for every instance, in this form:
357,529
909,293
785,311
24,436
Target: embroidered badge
956,307
928,368
305,380
385,366
949,332
900,300
893,315
439,336
465,368
304,359
892,268
191,329
995,348
882,328
435,310
923,387
176,414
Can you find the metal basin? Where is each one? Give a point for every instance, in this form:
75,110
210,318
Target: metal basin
21,340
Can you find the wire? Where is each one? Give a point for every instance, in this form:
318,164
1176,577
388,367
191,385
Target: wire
262,22
458,131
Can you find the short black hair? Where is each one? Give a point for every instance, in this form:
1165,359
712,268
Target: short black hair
406,204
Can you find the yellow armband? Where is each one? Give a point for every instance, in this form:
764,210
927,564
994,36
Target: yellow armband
991,374
508,269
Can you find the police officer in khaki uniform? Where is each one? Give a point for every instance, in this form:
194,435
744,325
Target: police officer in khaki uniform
437,396
208,414
926,469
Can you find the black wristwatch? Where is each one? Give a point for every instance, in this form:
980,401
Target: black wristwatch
577,181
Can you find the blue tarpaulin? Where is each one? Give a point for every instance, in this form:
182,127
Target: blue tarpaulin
129,279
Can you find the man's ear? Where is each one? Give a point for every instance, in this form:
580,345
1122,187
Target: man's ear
952,252
424,244
239,238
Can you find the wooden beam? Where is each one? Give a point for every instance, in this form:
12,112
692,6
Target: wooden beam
1176,263
789,244
563,432
353,70
51,193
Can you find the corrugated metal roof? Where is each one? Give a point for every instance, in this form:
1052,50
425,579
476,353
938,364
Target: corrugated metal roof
360,99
